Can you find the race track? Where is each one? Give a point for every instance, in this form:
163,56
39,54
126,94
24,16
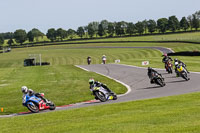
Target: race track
137,81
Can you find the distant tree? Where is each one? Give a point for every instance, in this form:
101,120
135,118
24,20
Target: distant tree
37,33
91,30
7,35
195,21
197,13
101,31
30,36
80,32
111,29
189,18
10,42
71,33
86,31
20,36
120,28
145,23
1,40
140,27
61,33
184,23
151,24
162,24
104,24
131,29
94,26
51,34
173,23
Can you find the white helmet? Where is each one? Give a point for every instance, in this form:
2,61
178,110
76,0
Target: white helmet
175,63
24,89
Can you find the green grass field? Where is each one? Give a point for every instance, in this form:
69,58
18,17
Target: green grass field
63,83
175,114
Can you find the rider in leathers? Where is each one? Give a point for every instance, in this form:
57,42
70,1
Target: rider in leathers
178,62
151,72
97,84
30,92
166,59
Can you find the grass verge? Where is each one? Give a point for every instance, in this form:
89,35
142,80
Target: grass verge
167,114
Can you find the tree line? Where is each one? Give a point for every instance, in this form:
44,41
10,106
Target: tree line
107,29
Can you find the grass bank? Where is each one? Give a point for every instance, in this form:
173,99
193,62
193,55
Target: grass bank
169,114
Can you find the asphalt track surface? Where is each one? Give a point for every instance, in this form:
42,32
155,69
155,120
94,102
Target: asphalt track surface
137,83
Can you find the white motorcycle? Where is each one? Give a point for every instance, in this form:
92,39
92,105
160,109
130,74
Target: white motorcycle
103,95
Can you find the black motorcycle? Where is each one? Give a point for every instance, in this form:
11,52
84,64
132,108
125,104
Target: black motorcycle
158,79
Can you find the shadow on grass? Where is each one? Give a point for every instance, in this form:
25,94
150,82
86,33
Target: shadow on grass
185,53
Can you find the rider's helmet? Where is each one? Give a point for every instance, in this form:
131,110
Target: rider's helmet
149,69
91,81
165,55
175,60
24,89
31,92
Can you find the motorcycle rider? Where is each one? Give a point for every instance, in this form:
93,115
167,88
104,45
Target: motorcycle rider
104,59
151,72
166,59
179,63
30,92
89,60
94,83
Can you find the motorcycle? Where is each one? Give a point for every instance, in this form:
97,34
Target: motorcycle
103,95
89,60
35,104
182,72
158,79
169,67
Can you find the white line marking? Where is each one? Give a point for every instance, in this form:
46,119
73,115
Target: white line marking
127,86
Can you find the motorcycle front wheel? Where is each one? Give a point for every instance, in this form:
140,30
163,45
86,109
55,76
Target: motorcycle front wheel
101,96
33,108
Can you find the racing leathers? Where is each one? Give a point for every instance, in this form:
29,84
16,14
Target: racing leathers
165,60
178,62
30,92
99,84
151,73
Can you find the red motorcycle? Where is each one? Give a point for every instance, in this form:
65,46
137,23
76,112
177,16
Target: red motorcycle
169,67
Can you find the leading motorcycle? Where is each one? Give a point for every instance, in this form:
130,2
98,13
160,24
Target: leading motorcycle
169,67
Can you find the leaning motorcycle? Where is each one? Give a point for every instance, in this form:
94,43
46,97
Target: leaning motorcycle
103,95
182,72
169,67
35,104
158,79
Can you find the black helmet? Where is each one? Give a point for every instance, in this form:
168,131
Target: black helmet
175,59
